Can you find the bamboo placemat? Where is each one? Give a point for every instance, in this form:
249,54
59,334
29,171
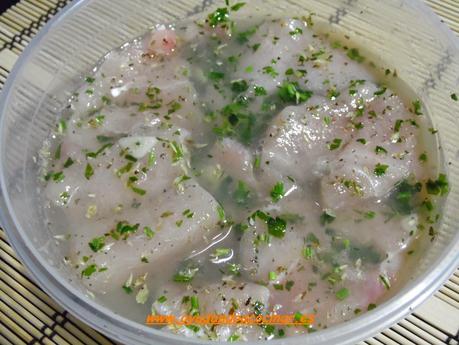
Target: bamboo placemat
29,316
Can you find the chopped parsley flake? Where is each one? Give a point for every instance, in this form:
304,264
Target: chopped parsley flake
371,306
403,195
221,213
327,217
256,46
454,97
272,275
291,92
244,37
257,162
342,294
380,149
333,94
124,169
88,171
194,305
185,275
99,151
216,76
62,126
234,269
131,184
177,151
277,192
148,232
417,108
220,16
142,295
289,284
260,91
57,154
161,299
187,213
68,162
97,121
439,186
360,109
194,328
238,6
398,125
221,253
151,159
308,252
353,186
423,157
166,214
64,196
174,106
277,227
297,316
103,139
144,259
289,71
124,228
295,32
428,205
354,54
372,114
179,180
127,289
335,144
270,71
381,91
242,193
308,20
369,215
233,337
385,281
105,100
57,176
353,84
380,169
358,125
239,86
89,270
130,158
97,243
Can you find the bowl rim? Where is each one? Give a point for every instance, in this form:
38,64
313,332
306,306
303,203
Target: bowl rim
120,328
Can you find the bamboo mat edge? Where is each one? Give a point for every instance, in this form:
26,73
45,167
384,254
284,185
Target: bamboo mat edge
29,316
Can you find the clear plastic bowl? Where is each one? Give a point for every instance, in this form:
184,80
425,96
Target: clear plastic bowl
400,33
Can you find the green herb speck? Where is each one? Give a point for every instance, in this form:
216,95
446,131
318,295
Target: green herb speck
88,171
97,243
277,192
335,144
354,54
342,294
89,270
380,169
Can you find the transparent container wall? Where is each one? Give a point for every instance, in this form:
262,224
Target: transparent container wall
397,34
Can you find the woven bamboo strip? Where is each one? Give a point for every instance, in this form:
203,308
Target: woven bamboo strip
28,314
